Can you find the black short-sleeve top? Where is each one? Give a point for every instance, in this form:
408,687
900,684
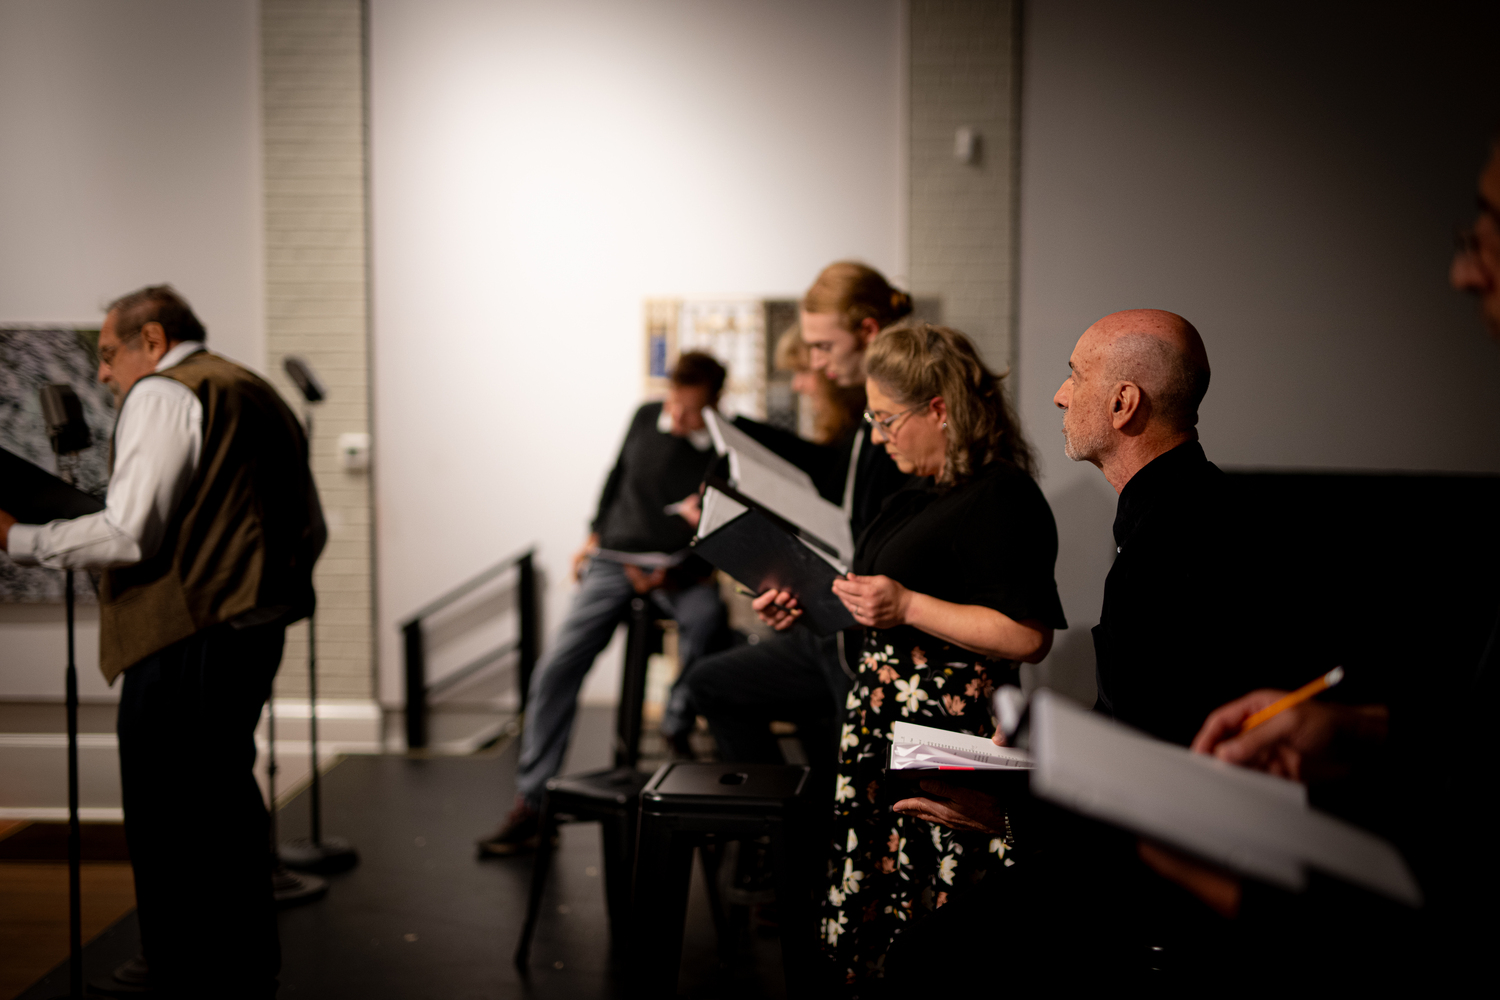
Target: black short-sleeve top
990,541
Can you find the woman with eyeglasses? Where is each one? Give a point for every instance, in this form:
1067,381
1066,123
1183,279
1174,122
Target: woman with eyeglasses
953,583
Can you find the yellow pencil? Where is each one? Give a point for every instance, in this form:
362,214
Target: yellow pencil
1297,697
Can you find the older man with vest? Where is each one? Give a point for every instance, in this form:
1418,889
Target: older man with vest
207,544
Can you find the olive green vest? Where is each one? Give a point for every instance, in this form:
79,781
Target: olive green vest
243,538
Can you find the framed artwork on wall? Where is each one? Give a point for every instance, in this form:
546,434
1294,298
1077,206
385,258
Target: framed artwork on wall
741,334
30,358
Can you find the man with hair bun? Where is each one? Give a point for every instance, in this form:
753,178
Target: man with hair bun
800,677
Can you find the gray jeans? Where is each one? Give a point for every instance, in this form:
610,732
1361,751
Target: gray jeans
602,599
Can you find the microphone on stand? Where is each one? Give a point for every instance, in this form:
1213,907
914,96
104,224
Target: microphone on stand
325,855
69,432
307,383
63,412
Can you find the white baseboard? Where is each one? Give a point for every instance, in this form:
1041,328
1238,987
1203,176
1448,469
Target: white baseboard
33,766
51,813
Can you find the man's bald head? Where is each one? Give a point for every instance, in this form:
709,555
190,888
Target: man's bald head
1160,352
1137,379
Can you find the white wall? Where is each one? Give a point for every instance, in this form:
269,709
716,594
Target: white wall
539,170
1287,178
129,154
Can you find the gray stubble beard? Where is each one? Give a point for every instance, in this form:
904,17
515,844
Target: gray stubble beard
1078,447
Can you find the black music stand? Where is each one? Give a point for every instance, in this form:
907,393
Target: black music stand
325,855
53,498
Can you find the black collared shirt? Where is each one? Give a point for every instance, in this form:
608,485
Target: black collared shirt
1174,639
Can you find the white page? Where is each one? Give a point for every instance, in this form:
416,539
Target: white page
718,510
1246,820
780,486
914,746
730,440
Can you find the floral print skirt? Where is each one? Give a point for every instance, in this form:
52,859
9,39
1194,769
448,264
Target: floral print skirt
888,870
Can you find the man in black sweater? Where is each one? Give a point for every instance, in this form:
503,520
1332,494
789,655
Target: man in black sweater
666,453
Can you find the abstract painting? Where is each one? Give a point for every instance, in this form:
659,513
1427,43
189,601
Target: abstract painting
32,357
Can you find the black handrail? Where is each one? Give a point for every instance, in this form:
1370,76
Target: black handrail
418,690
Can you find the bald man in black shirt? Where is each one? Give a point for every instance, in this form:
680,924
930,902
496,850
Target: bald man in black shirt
1173,643
1174,638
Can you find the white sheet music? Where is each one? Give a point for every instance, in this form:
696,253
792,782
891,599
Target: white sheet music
718,510
916,747
780,486
1248,821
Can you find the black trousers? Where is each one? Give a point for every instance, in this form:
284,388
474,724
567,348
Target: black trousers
794,677
194,820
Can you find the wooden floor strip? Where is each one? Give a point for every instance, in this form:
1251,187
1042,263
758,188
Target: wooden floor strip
34,914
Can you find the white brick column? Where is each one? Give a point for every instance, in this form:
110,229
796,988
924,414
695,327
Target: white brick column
964,73
313,101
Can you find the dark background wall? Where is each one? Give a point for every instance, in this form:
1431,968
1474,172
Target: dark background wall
1287,176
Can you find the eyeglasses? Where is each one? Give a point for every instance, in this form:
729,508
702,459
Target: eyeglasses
887,425
1467,240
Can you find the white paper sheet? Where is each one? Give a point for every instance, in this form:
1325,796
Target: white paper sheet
1248,821
780,486
718,510
923,747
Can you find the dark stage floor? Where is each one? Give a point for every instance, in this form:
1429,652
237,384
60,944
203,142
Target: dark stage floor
422,918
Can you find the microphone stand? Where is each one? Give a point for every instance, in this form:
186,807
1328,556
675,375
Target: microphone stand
331,855
287,887
75,830
65,472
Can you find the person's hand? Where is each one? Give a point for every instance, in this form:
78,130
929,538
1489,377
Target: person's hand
1313,741
582,556
641,581
690,509
777,608
1219,890
874,601
956,807
5,522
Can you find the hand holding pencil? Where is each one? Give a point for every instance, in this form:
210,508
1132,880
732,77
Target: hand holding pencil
1292,734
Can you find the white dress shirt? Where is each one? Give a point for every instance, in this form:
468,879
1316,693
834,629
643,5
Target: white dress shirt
158,440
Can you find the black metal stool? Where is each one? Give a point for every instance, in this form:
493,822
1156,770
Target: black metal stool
609,798
688,805
606,797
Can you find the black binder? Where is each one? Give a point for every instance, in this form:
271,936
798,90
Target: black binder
32,495
765,552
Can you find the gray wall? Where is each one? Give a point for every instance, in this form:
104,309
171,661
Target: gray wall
1287,178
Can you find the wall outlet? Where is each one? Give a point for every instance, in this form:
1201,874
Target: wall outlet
354,452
